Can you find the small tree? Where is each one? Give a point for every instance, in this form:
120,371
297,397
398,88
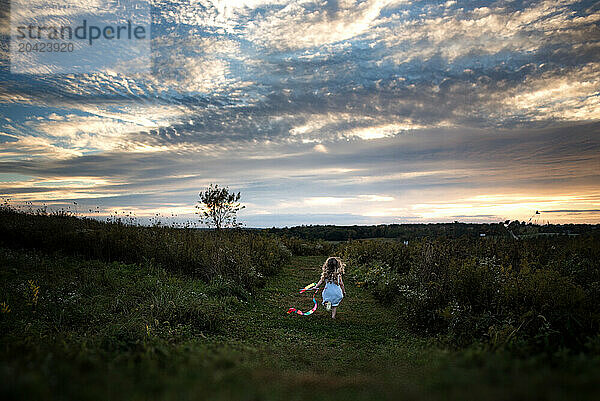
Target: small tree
218,207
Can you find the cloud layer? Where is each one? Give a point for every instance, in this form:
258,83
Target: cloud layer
369,111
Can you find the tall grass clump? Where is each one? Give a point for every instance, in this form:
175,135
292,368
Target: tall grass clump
531,295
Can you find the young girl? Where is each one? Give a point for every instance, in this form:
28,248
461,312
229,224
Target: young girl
334,290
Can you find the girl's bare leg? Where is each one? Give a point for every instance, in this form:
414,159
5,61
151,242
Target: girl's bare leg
333,311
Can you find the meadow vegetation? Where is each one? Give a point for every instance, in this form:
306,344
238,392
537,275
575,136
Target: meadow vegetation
241,258
530,295
107,310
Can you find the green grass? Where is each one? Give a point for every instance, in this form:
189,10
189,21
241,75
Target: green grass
112,341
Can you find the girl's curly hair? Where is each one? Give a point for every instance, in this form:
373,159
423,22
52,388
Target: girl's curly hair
332,268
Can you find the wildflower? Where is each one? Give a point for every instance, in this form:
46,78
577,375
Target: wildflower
4,308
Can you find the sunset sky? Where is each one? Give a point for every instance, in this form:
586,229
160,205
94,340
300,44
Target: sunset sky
329,112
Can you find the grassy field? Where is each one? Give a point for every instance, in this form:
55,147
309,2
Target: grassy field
100,330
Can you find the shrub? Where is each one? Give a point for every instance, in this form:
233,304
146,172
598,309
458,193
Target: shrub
393,254
539,294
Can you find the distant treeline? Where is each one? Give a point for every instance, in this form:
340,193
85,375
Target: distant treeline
432,230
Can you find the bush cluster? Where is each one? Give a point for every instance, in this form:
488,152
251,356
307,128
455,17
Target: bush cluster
531,295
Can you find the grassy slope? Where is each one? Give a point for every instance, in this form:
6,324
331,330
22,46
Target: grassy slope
262,354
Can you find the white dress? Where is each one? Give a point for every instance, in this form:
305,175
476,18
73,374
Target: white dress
332,293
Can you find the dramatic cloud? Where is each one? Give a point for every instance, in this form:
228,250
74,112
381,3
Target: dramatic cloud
325,112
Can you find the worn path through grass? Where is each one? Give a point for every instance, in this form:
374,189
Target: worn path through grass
362,354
